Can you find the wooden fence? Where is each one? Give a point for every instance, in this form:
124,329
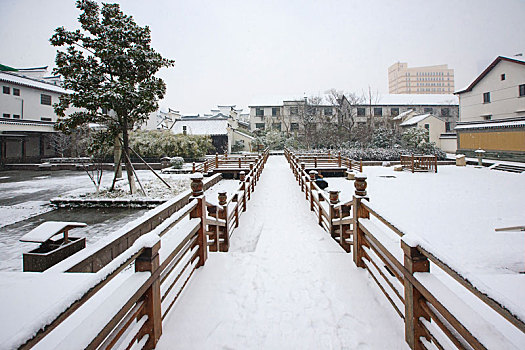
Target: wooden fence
323,161
224,217
155,286
419,163
227,162
161,272
401,269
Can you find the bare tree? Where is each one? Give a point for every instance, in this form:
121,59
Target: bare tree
60,142
345,105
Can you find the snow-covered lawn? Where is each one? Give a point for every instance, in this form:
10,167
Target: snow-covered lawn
454,212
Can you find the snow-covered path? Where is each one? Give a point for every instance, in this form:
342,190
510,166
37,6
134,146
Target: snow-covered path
285,284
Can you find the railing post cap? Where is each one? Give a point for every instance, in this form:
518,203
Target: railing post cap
196,176
313,172
360,176
242,172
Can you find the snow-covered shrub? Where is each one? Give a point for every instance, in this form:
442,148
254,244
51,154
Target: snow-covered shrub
160,143
177,162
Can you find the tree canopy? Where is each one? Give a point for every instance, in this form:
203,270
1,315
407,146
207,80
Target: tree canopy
108,66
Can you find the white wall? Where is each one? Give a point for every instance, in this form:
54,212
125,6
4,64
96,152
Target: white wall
504,94
27,105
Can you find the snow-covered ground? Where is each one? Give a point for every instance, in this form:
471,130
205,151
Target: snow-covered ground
455,212
285,284
25,195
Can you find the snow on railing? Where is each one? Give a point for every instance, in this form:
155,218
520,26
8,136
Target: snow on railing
135,310
224,217
400,264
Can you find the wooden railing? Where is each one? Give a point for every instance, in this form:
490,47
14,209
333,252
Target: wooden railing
419,163
94,260
323,160
434,316
334,217
223,218
164,260
144,298
225,162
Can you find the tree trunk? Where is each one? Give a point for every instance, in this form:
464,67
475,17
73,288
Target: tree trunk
127,161
117,157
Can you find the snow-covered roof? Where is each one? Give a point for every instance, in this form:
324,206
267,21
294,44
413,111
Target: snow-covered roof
243,134
24,81
273,100
502,124
381,100
414,120
401,115
201,126
416,99
514,59
48,229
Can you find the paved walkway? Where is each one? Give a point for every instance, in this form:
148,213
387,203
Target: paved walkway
285,284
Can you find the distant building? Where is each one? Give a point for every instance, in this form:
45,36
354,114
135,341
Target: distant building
284,113
216,128
420,80
492,111
27,116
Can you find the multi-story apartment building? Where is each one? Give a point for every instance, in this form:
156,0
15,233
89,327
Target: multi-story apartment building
492,111
286,114
420,80
27,116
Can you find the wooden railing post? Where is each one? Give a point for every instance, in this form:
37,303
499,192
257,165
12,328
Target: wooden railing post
242,178
149,261
193,168
412,160
301,180
200,212
339,159
216,160
414,261
223,214
312,181
334,199
360,212
315,162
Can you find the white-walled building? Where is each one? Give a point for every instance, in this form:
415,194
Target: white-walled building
492,111
27,116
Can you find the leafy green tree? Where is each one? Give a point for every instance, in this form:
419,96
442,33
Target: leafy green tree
109,67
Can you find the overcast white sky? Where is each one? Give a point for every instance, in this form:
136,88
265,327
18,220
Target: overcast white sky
231,52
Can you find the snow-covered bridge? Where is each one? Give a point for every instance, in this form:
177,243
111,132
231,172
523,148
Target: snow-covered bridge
284,284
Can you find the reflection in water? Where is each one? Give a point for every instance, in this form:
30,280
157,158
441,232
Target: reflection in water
101,223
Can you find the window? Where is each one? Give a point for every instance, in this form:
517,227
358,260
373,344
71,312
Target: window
503,76
294,110
360,111
486,97
7,90
394,111
184,129
104,110
6,115
327,111
294,126
445,112
522,90
448,126
487,117
275,111
276,126
378,111
427,126
16,92
428,110
45,119
259,112
16,116
259,126
45,100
